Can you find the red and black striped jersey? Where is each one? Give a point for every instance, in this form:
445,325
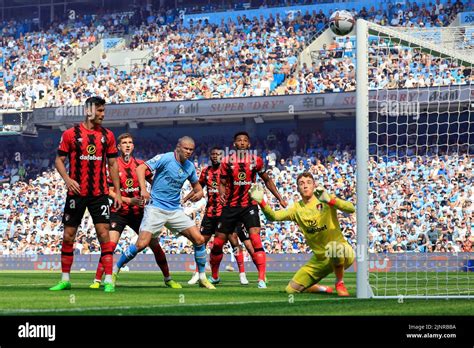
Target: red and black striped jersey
129,186
210,178
87,150
240,173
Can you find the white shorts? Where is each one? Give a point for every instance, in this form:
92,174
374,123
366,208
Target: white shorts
155,218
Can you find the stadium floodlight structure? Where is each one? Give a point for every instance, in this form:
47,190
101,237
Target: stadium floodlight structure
410,120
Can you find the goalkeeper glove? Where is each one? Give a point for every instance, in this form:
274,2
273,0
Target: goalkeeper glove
323,196
256,193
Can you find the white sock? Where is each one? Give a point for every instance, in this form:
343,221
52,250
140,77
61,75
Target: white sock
65,277
108,278
115,269
97,280
167,278
202,276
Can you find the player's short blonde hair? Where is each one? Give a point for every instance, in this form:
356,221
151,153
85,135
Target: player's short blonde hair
185,139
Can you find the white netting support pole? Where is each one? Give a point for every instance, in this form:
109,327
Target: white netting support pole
362,150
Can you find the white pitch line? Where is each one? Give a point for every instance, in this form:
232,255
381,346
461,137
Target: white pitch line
21,284
82,309
134,283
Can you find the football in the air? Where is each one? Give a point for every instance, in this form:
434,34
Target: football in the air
341,22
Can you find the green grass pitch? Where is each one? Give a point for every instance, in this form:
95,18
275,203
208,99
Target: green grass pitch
144,293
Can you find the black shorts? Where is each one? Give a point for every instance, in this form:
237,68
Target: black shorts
236,216
209,225
99,208
118,222
242,233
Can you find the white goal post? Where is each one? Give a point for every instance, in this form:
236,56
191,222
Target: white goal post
402,133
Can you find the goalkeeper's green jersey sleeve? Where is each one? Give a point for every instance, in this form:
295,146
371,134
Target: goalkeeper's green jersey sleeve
317,220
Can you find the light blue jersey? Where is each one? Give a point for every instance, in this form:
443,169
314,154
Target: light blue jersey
170,175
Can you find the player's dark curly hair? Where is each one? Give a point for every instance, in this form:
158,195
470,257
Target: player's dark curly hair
97,101
241,133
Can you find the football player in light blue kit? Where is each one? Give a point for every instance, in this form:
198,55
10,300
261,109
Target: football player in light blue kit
164,208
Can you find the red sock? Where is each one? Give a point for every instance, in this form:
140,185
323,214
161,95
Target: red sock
216,256
100,267
107,256
160,259
239,257
100,271
259,257
67,256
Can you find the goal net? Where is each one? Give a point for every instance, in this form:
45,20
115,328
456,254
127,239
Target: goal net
415,139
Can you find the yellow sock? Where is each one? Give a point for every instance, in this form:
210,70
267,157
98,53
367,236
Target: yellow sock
290,290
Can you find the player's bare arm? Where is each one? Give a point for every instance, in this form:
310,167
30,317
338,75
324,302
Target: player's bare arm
192,193
141,173
126,200
114,175
72,185
271,186
188,196
196,194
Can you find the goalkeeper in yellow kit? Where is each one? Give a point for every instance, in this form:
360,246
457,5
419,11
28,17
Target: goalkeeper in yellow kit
316,215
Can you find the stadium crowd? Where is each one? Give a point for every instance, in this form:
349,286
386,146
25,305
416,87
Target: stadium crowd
248,57
32,61
418,203
390,66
